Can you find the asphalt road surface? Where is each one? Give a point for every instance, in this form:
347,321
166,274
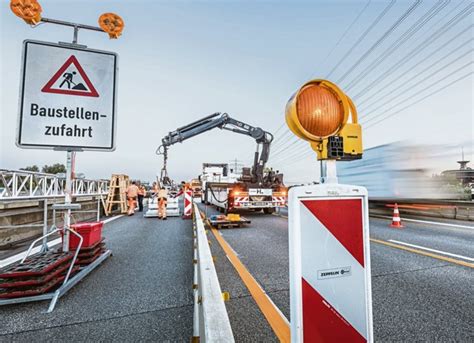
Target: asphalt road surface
142,293
415,297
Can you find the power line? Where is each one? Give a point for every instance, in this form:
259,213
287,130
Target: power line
281,147
422,61
404,38
287,159
346,32
293,158
303,155
379,41
438,33
420,91
417,83
300,155
286,147
361,38
279,128
281,141
365,92
278,158
421,99
277,142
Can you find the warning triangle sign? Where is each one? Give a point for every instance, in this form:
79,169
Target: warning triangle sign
71,79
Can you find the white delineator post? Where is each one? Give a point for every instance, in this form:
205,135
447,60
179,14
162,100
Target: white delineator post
67,201
330,278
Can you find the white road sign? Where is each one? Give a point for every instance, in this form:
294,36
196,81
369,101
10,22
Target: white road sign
67,97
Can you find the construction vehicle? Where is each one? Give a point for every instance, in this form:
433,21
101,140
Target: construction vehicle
255,188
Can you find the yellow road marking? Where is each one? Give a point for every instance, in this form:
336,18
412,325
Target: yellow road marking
424,253
275,318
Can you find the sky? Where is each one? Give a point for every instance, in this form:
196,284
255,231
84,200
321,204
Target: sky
183,60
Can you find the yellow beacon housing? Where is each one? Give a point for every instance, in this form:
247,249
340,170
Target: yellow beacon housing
318,112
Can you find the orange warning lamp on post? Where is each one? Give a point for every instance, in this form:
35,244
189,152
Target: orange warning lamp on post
28,10
318,112
111,23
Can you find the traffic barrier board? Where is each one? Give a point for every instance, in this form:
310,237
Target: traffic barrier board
330,286
67,97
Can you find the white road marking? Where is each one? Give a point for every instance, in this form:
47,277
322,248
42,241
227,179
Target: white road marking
113,218
434,223
19,256
432,250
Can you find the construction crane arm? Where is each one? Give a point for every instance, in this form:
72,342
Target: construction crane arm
223,122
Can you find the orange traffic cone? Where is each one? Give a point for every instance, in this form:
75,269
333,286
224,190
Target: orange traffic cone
396,221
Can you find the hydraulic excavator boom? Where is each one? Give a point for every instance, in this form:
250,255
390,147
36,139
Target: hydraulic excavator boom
223,122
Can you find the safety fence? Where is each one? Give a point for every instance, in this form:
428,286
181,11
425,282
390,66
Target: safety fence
25,185
210,321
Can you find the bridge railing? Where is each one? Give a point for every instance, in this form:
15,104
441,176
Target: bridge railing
211,322
23,185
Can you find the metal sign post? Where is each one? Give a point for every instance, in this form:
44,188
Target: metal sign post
67,201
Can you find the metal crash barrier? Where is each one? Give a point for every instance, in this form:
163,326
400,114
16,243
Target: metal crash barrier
26,185
210,320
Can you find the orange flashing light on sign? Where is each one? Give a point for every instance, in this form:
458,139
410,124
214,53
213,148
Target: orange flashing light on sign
318,112
111,23
28,10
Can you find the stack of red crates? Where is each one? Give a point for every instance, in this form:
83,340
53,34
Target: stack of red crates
44,272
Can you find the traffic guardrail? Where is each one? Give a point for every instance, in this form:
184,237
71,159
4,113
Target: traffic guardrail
26,185
210,321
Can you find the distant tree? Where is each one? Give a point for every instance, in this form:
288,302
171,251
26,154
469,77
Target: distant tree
33,168
54,169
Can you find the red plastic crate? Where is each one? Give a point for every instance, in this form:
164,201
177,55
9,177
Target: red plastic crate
90,232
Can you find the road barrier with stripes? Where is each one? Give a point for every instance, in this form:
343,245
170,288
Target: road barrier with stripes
188,204
210,321
330,277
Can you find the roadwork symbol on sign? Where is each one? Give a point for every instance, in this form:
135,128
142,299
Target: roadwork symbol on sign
65,80
68,97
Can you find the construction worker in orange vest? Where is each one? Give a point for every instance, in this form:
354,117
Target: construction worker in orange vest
162,202
132,193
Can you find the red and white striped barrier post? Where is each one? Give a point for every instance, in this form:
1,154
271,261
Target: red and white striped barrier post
188,204
330,279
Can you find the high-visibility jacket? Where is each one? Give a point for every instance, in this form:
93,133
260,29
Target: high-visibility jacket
163,193
132,191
